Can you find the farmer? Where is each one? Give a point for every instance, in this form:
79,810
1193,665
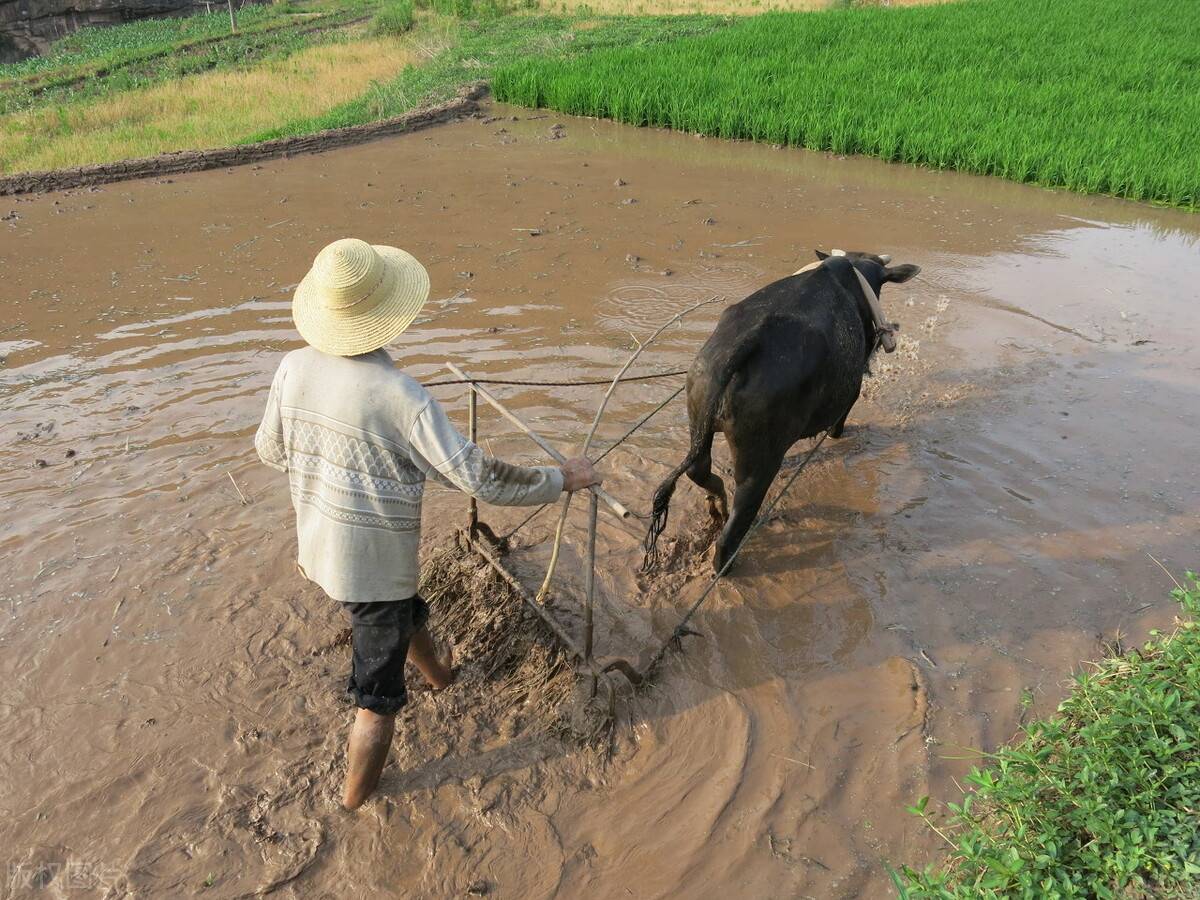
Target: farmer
358,438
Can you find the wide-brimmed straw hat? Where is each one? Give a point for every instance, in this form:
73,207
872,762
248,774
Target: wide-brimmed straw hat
357,297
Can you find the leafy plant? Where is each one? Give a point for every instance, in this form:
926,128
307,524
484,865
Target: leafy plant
1103,800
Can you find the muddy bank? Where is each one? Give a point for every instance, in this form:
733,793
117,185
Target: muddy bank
183,161
173,689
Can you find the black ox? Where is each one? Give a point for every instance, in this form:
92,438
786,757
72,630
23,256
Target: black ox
785,363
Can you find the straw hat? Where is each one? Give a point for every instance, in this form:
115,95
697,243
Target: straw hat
358,297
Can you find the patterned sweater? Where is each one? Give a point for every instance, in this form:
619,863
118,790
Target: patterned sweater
357,439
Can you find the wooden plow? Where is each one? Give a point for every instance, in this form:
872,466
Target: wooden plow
580,648
475,536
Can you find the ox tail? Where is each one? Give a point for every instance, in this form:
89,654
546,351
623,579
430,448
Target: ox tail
662,498
702,432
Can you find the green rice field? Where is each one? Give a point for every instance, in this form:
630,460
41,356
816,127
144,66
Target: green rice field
1100,96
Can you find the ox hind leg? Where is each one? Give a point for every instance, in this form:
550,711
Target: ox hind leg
837,430
755,465
702,474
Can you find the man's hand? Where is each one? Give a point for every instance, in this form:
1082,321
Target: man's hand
579,473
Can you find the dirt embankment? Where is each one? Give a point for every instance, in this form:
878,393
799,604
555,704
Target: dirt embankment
464,104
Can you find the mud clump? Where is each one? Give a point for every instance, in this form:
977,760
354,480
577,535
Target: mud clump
519,680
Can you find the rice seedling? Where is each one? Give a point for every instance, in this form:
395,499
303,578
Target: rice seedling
1099,97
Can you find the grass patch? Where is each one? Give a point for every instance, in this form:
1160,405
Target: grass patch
395,18
148,87
103,61
457,51
1101,801
1099,97
215,109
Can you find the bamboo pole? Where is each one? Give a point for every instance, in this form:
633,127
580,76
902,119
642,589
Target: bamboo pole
590,590
591,577
473,433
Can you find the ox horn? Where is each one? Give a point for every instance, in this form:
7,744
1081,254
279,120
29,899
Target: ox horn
886,257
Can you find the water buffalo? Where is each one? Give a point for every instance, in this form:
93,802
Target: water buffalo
783,364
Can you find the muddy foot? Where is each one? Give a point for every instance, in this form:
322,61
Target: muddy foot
451,672
434,687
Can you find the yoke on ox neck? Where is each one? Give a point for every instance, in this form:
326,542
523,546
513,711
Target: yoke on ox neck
885,329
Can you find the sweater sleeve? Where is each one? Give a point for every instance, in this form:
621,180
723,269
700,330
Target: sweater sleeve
443,453
268,440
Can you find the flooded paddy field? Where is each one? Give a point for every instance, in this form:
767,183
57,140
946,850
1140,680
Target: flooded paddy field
174,720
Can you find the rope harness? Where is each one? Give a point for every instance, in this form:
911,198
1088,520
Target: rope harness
885,331
884,337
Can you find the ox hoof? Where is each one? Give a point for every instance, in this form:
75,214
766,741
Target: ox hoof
717,511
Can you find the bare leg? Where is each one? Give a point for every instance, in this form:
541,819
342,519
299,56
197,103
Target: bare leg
370,739
422,655
371,735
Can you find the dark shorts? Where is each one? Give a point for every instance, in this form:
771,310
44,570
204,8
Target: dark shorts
380,634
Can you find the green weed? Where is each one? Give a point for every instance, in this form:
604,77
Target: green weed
1101,801
462,9
396,17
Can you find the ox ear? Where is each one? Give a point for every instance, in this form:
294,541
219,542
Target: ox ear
821,254
900,274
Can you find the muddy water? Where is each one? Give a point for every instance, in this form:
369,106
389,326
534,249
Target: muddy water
171,707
